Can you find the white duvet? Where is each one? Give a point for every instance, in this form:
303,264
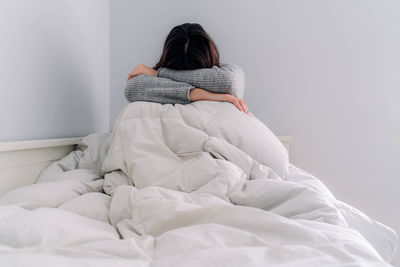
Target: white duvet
193,185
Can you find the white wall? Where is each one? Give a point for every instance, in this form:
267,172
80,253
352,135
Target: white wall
324,72
54,68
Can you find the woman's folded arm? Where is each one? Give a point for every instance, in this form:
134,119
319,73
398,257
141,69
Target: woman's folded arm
226,79
165,91
156,89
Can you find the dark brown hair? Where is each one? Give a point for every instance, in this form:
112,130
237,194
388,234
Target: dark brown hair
188,47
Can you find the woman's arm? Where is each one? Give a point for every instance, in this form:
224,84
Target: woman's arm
227,79
198,94
144,86
155,89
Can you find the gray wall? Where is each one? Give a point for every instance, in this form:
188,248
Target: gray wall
324,72
54,68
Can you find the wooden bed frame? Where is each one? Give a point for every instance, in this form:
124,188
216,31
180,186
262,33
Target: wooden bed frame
22,161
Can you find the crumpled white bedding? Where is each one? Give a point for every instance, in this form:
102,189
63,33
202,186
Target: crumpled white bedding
179,189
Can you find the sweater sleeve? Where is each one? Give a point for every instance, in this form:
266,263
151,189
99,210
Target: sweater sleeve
155,89
226,79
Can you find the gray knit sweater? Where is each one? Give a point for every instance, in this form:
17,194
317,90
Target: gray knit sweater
173,86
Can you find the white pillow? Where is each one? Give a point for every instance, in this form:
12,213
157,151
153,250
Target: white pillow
68,163
90,155
95,148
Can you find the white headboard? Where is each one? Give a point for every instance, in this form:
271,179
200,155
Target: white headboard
21,162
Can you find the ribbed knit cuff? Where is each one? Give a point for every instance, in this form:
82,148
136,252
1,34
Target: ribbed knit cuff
159,72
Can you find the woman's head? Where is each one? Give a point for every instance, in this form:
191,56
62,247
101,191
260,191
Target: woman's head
188,47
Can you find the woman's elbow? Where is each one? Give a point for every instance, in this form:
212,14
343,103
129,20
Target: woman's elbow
233,79
131,93
234,84
134,88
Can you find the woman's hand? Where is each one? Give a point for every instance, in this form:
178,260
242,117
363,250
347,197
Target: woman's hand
198,94
142,69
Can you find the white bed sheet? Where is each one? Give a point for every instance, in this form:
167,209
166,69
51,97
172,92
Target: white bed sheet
162,227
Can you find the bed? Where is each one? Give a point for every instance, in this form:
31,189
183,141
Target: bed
176,186
22,161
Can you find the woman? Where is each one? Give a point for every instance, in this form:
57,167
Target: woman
188,70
